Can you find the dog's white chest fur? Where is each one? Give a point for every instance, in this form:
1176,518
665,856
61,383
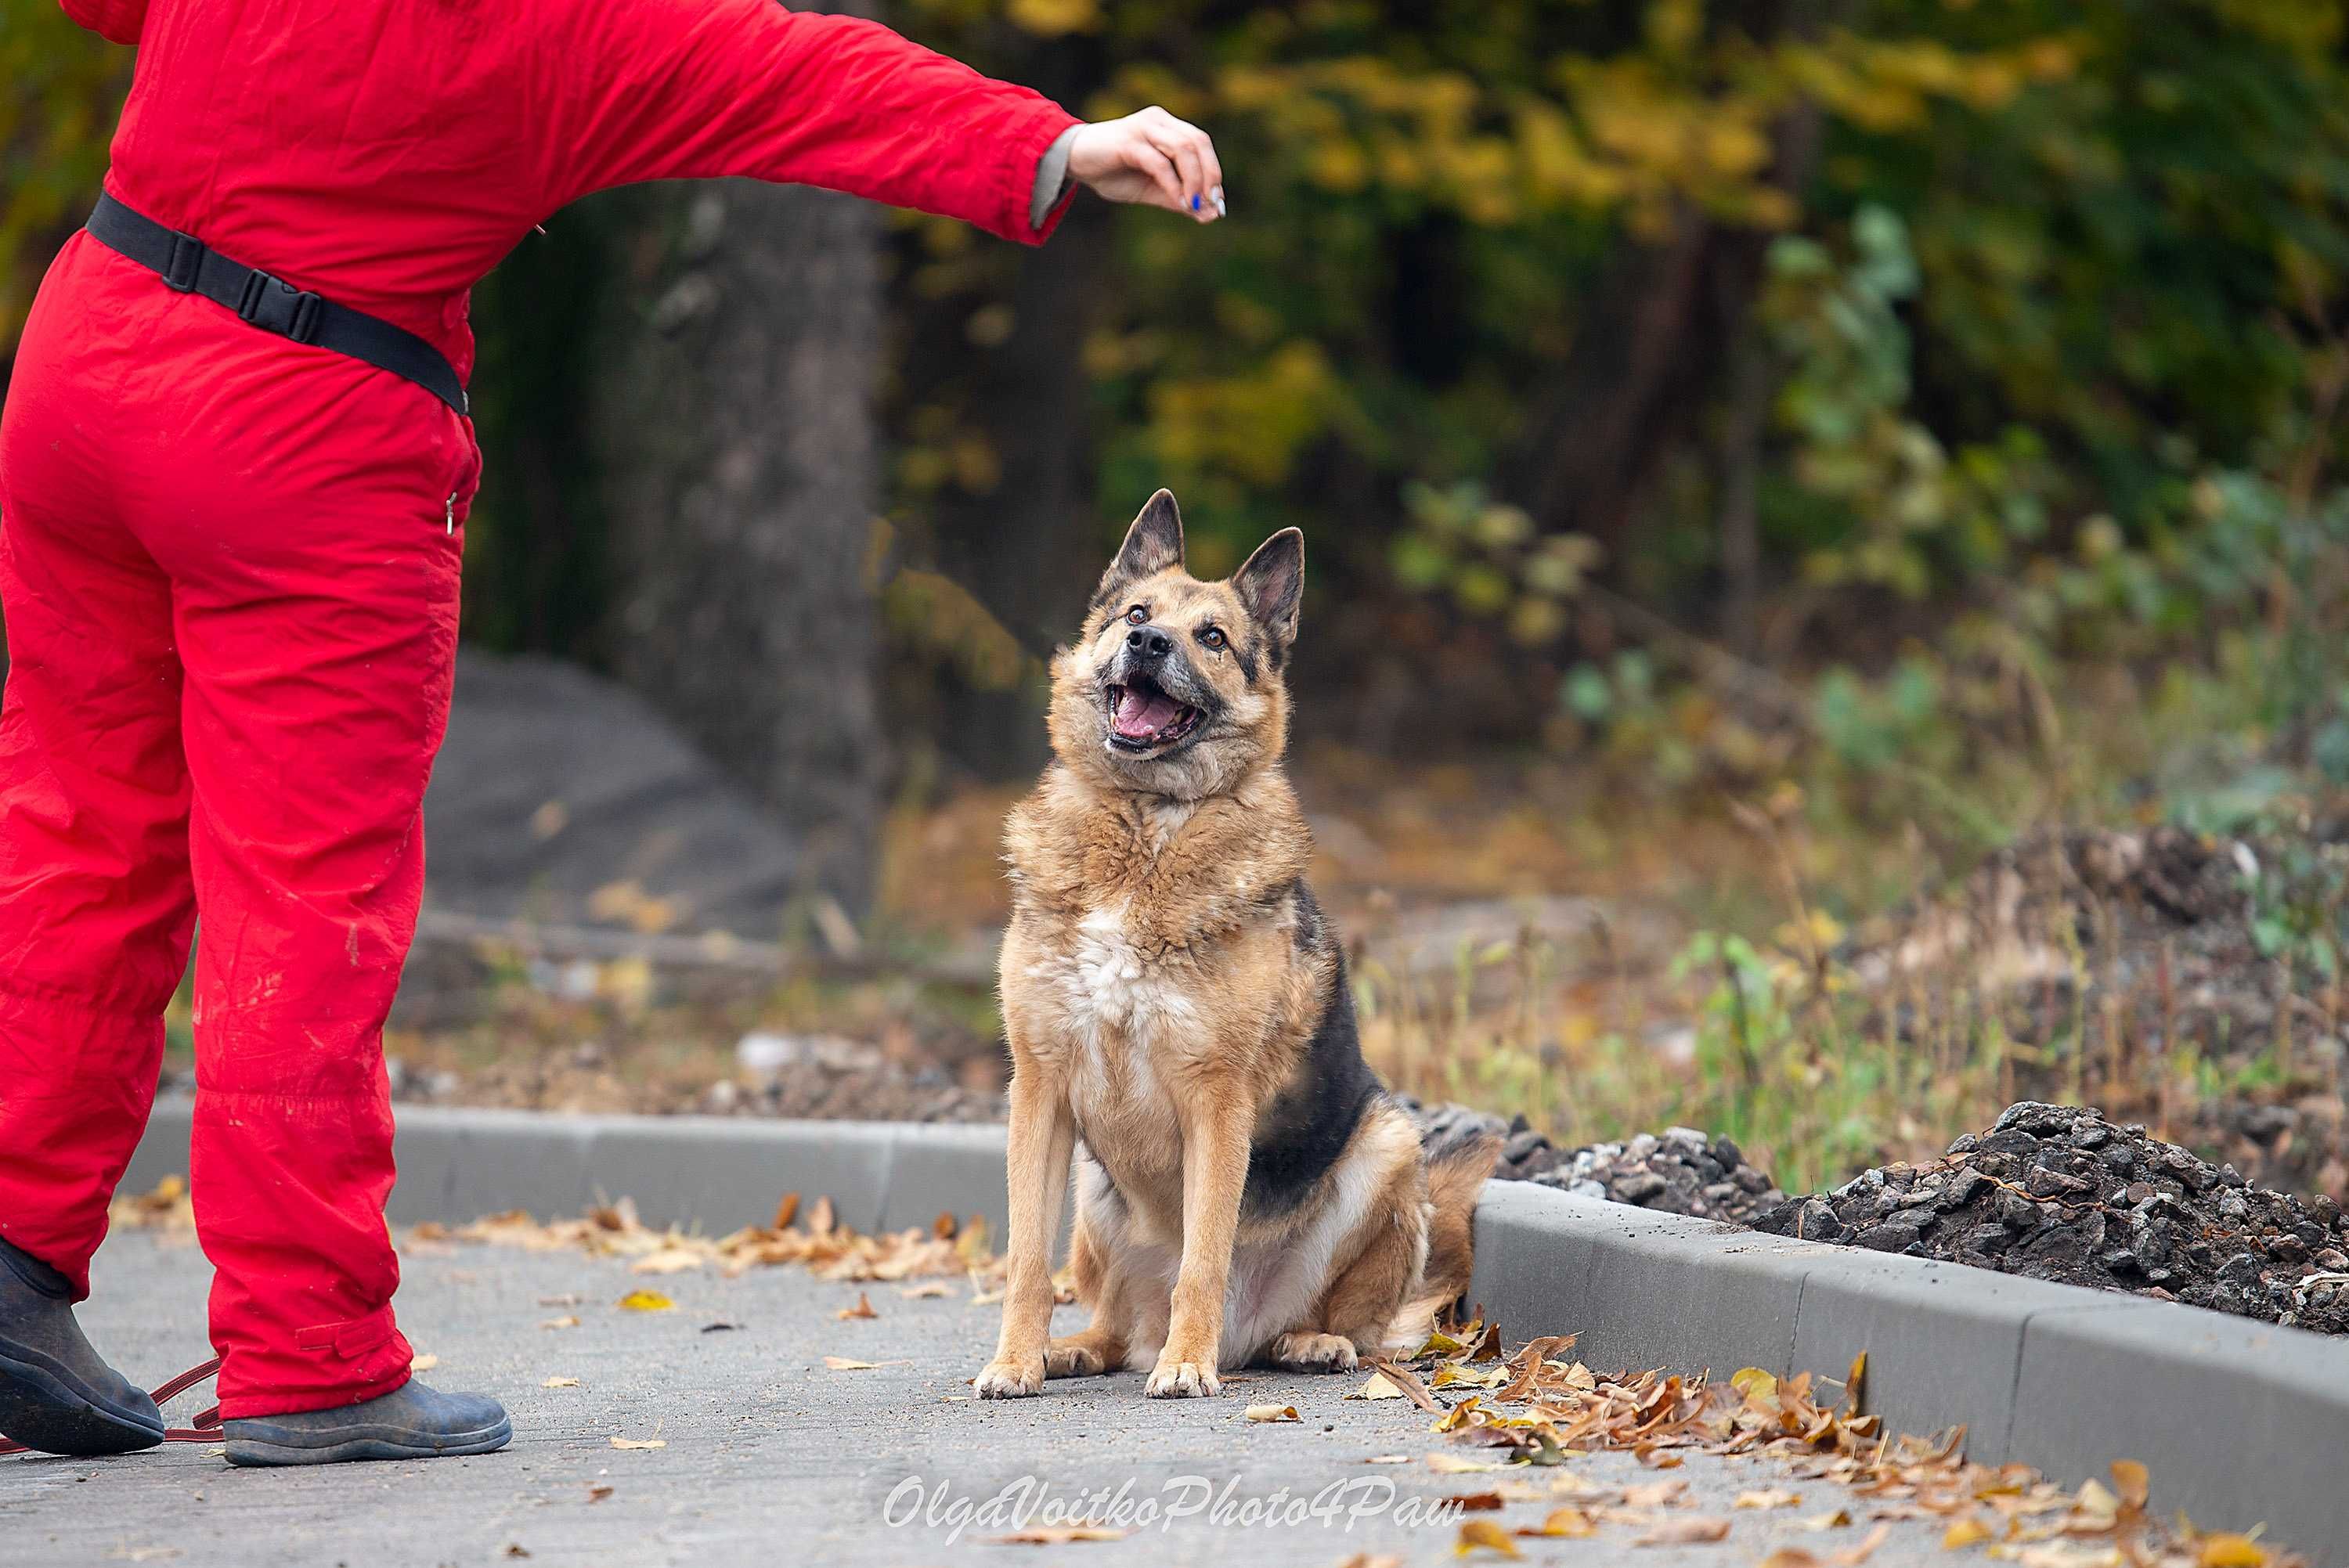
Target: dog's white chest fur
1108,983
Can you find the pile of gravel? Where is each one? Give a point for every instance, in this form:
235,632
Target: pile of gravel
1678,1171
2059,1194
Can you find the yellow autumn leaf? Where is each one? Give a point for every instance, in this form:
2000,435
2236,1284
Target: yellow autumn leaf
646,1300
560,1383
1967,1532
2133,1482
1572,1522
2229,1550
1271,1413
1377,1387
1483,1533
1757,1386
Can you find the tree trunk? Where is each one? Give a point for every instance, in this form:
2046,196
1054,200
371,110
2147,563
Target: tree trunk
738,424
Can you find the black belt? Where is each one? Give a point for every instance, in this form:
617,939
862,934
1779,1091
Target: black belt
272,304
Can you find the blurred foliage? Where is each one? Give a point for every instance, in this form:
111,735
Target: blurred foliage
60,89
2055,272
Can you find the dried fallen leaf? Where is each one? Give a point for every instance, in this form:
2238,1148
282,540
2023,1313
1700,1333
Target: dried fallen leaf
515,1549
646,1300
1768,1497
423,1363
598,1492
864,1308
1837,1519
1272,1412
1967,1532
1483,1533
668,1260
1058,1535
560,1383
1454,1464
2133,1482
1364,1559
572,1298
1377,1387
1853,1556
848,1364
640,1443
1475,1501
1790,1557
1691,1530
569,1321
1567,1522
2229,1550
1388,1459
929,1290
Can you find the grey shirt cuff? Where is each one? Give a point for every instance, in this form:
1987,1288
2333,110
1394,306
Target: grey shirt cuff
1051,178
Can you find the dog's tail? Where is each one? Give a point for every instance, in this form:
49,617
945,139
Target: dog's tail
1457,1167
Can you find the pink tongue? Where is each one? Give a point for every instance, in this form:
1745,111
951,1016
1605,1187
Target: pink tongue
1141,714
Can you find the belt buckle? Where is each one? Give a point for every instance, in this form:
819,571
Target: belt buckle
275,305
184,263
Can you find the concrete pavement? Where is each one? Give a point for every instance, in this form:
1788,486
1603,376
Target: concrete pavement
769,1456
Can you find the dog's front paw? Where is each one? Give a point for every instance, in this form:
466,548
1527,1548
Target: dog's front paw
1011,1377
1182,1380
1314,1353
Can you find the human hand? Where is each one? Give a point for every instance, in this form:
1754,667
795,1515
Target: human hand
1150,157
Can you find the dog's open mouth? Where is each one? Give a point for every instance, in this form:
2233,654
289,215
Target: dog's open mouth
1142,717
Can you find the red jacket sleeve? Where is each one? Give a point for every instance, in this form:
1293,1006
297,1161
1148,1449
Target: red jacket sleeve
678,88
116,20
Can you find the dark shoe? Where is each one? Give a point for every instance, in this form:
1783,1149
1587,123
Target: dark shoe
56,1394
411,1422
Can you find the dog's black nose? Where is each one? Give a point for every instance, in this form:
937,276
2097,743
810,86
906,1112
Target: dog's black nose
1150,642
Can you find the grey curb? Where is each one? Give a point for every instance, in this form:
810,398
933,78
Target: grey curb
2242,1423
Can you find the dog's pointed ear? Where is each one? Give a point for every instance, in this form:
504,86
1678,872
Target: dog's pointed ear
1272,585
1154,544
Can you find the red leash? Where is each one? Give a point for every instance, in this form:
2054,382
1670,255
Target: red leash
207,1428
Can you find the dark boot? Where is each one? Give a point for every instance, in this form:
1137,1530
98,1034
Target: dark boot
411,1422
56,1394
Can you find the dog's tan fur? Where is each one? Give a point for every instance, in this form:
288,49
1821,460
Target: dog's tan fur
1164,978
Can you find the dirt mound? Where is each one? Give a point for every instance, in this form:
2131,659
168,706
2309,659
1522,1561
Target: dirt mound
2057,1193
1679,1171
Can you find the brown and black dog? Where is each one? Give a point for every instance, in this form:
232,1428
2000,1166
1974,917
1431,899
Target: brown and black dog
1176,1000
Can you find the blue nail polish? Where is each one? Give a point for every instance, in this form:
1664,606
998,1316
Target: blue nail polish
1195,203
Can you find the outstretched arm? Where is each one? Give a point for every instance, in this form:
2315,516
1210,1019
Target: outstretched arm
118,21
657,90
686,88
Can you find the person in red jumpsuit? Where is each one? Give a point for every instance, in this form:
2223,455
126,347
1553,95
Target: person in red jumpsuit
229,567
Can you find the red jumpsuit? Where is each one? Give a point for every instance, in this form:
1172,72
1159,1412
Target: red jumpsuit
230,578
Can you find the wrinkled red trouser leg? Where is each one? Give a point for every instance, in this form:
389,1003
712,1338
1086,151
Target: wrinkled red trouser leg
287,512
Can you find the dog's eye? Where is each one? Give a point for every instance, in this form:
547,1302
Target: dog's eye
1213,637
1139,613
